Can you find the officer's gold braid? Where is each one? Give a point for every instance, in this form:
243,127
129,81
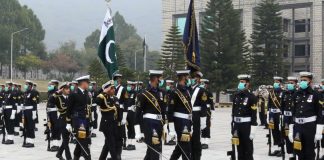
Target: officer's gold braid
109,108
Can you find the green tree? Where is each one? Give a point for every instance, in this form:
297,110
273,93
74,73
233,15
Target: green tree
15,17
267,42
29,62
223,45
120,57
172,56
97,72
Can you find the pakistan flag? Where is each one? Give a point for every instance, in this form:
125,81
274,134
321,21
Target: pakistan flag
107,48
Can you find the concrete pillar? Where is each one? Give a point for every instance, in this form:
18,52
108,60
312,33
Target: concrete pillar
317,40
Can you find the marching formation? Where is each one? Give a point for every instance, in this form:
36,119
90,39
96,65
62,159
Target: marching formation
291,110
172,112
176,113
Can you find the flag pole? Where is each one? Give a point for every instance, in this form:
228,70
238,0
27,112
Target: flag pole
145,54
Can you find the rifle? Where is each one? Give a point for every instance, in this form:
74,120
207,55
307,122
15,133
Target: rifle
23,125
47,132
232,153
269,141
283,134
318,150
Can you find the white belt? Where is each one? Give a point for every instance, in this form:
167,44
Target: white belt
305,120
7,107
275,110
208,105
182,115
153,116
93,104
131,108
28,107
242,119
51,109
196,108
121,106
288,113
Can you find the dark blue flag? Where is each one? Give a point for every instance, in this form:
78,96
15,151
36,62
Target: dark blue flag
190,40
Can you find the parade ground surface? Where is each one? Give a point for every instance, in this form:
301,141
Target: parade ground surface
219,143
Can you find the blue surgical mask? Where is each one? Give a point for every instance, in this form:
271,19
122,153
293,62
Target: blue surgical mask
168,88
290,87
161,82
72,88
12,88
241,86
26,87
303,84
50,88
129,88
6,88
115,83
90,88
188,82
322,87
276,85
193,81
202,86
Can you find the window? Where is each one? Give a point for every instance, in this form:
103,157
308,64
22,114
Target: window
286,25
302,50
300,25
181,22
285,51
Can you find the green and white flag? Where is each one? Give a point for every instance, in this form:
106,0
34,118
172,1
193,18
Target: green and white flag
107,48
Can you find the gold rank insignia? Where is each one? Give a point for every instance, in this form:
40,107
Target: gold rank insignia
204,97
254,107
34,99
126,95
321,102
165,99
172,101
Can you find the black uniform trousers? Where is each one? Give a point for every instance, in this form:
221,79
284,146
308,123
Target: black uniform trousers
195,142
263,115
17,119
78,151
289,146
9,123
276,131
95,117
112,140
65,138
182,148
29,123
55,127
149,125
131,124
205,133
245,148
306,133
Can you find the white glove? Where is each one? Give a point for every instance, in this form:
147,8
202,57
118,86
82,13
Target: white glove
203,121
319,130
18,109
291,133
123,122
34,115
13,114
137,132
172,133
252,132
68,127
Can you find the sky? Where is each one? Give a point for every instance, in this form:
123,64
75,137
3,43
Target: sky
65,20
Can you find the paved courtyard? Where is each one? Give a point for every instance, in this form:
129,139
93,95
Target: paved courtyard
219,145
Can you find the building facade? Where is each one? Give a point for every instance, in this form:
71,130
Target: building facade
302,26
